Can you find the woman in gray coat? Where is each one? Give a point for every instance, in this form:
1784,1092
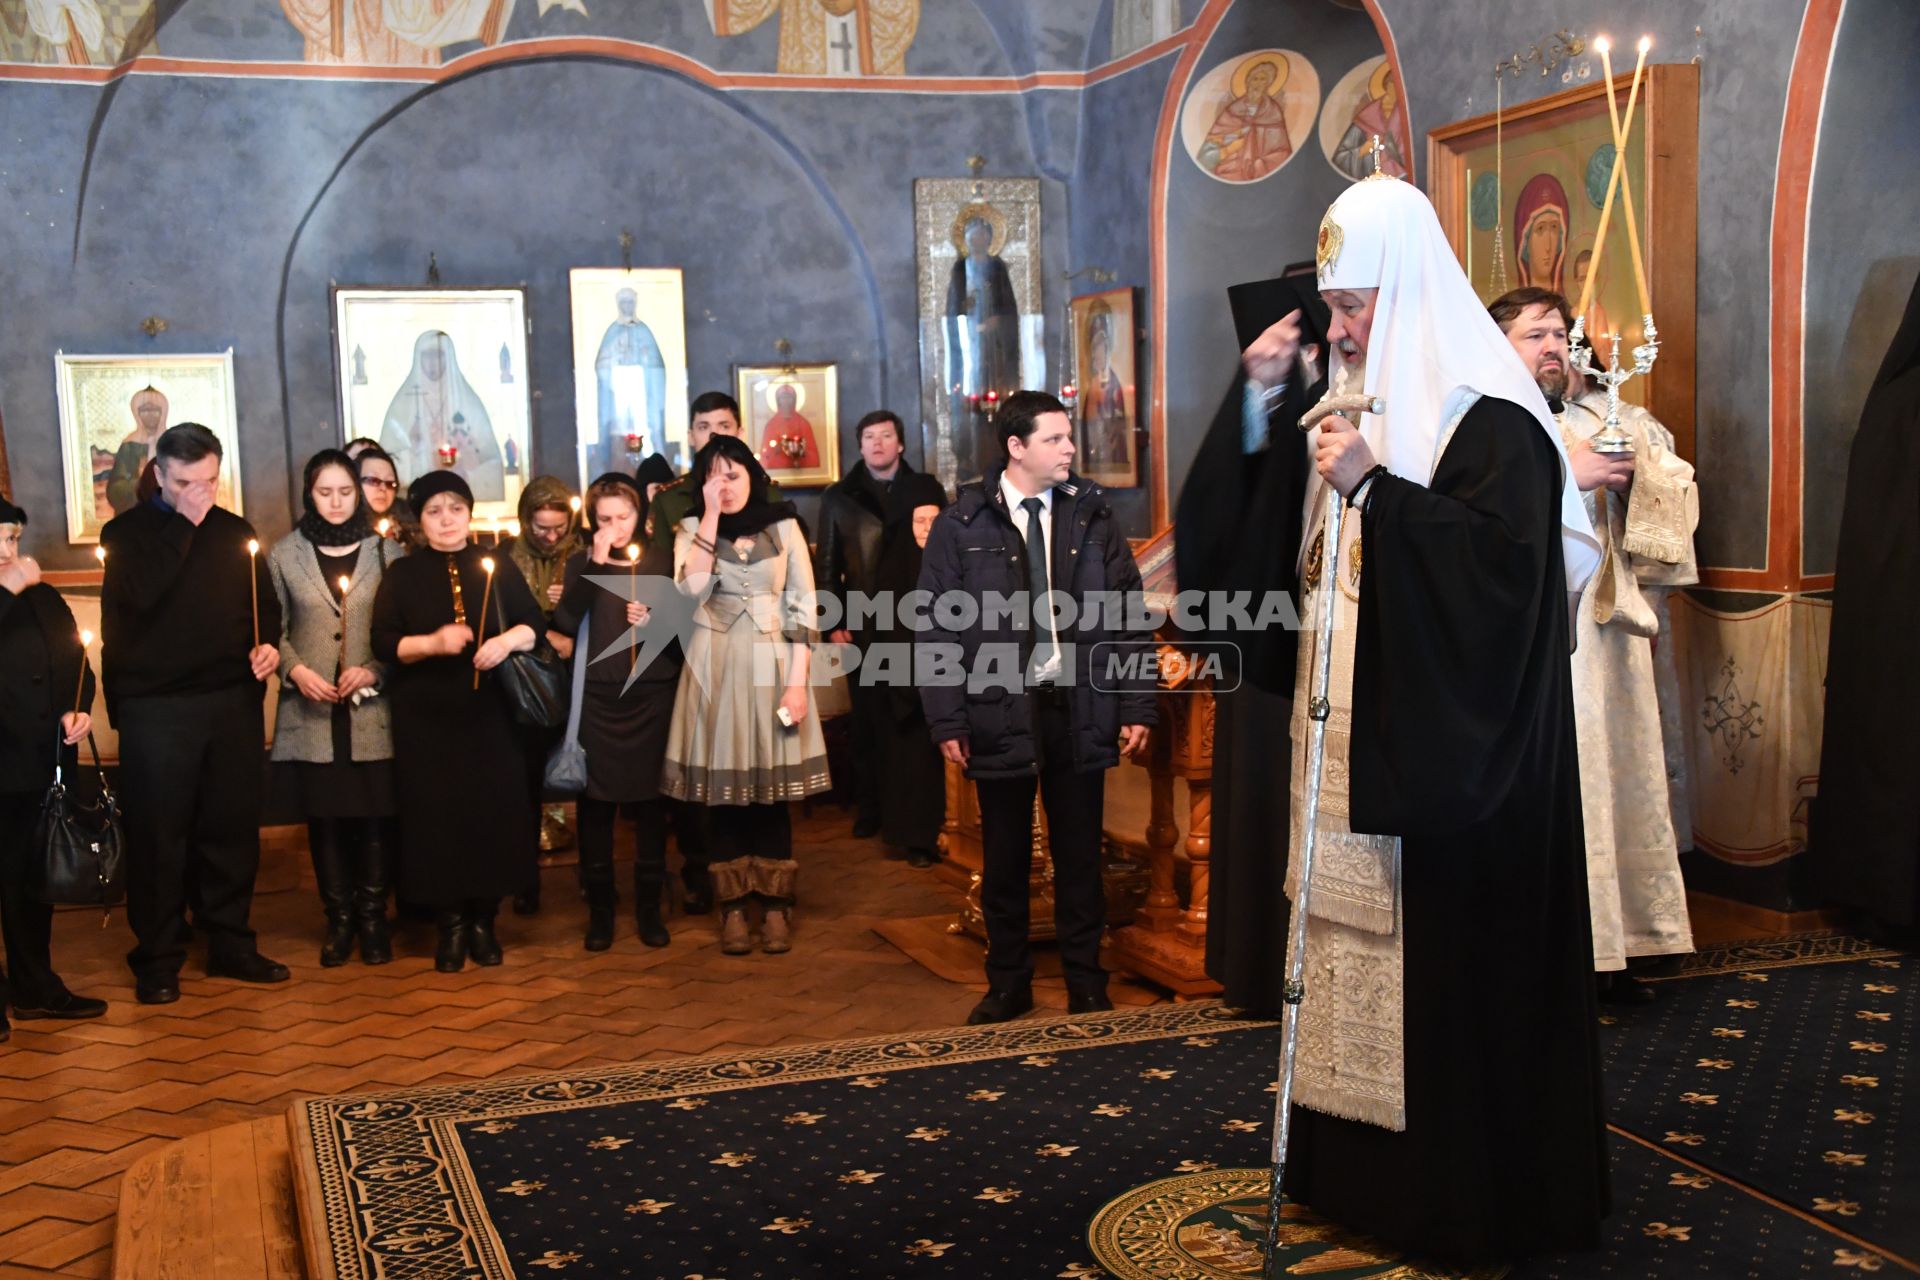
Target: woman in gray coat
332,742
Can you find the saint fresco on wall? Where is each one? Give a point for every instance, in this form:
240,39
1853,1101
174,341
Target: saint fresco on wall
1246,118
75,33
1362,106
629,368
402,33
439,378
828,37
113,408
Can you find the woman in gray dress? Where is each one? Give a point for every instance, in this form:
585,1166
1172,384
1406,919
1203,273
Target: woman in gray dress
332,742
744,739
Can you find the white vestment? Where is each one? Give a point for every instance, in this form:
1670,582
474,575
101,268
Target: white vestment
1634,890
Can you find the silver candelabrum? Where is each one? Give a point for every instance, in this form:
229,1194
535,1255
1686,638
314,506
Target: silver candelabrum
1611,439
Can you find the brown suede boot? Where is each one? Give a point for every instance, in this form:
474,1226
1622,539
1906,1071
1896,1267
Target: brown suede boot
734,940
775,935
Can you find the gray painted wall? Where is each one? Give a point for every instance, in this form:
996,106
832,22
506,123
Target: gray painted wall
1745,50
1865,247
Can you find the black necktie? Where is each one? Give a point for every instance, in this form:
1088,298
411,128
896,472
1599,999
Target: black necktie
1037,570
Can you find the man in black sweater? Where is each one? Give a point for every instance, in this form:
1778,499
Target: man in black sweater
185,664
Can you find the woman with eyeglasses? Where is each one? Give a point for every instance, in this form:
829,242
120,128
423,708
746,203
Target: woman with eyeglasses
380,487
467,818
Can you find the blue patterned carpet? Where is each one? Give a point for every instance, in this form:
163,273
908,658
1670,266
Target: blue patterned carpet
986,1152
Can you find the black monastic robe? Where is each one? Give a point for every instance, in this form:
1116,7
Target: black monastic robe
1463,745
1864,835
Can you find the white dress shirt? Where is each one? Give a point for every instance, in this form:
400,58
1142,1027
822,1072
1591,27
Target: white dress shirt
1048,669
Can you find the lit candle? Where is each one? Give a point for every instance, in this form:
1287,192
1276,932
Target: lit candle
633,593
383,526
253,585
346,585
486,562
1622,126
1617,177
449,454
80,685
574,502
513,529
100,554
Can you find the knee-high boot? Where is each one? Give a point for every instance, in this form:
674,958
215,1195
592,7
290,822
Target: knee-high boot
370,894
336,889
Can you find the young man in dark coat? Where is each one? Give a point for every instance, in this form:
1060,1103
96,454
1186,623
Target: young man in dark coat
866,529
184,610
1035,697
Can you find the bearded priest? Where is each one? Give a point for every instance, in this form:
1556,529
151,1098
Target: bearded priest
1448,1071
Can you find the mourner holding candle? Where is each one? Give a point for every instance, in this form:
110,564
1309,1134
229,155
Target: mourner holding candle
180,604
332,741
626,708
443,625
46,687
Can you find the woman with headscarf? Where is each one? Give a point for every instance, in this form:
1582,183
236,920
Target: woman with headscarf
626,708
332,740
437,422
46,686
466,816
742,744
652,475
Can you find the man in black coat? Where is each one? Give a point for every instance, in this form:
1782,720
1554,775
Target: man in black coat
1027,697
866,523
186,613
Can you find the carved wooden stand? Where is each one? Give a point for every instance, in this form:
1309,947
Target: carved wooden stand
1166,944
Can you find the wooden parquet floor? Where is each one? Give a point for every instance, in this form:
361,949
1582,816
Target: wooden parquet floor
80,1102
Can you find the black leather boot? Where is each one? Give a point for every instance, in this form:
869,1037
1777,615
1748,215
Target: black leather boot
370,896
601,901
336,892
451,956
646,916
482,944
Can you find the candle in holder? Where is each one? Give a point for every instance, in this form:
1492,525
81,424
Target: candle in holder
346,585
449,454
633,593
253,584
486,562
80,685
634,441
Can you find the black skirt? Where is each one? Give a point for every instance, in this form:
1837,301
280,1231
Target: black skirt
625,738
341,788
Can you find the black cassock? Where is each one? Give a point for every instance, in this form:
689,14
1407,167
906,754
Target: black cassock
1463,745
468,822
1864,841
1237,529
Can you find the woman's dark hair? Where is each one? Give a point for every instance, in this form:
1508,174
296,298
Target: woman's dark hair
374,452
320,462
736,451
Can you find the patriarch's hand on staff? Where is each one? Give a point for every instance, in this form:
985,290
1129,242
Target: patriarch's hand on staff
1270,358
312,685
353,680
74,726
492,652
265,660
195,503
1340,453
1133,739
956,751
450,639
1592,470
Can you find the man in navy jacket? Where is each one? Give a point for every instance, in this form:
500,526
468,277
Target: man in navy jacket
1024,697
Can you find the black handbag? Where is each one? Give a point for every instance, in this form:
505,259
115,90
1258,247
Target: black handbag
535,681
82,860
